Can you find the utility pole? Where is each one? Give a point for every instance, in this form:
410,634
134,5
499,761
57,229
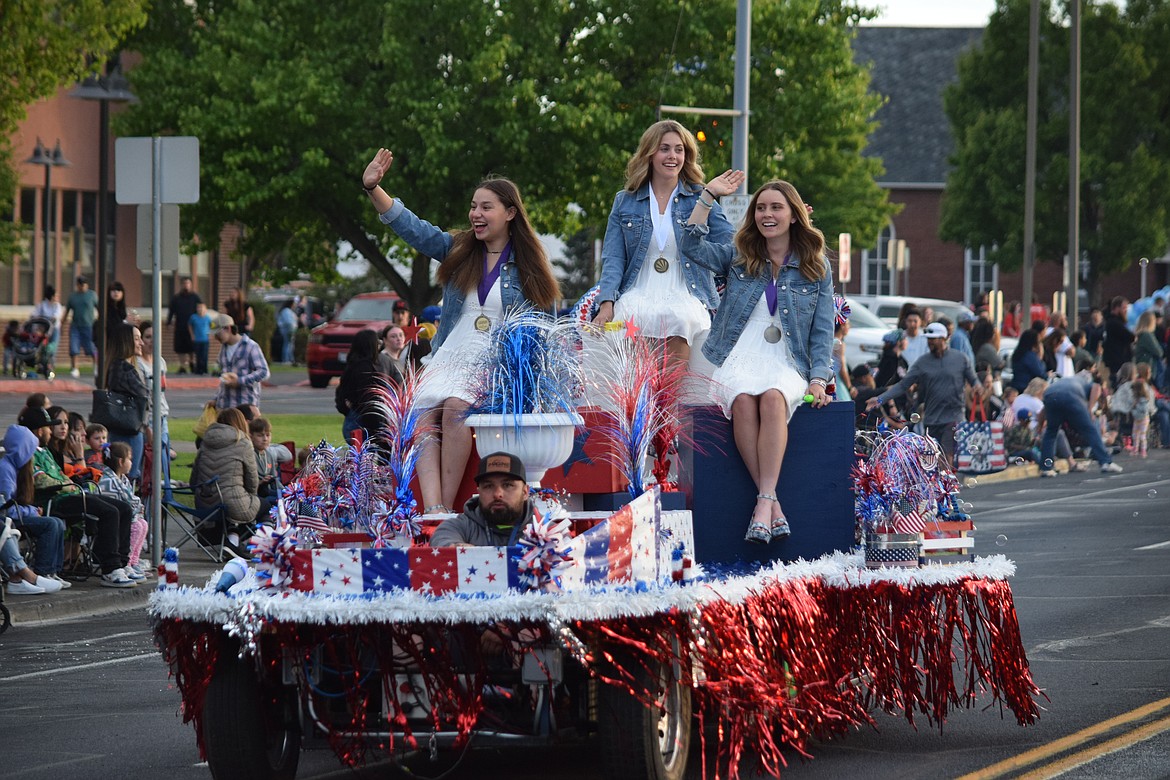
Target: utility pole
1074,165
1030,160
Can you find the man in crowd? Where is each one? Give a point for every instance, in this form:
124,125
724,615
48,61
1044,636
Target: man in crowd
1117,347
241,364
83,303
183,305
495,516
961,340
916,345
941,375
1069,400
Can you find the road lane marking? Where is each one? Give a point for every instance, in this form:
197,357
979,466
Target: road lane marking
1088,640
1158,546
1080,498
1068,763
1055,747
77,667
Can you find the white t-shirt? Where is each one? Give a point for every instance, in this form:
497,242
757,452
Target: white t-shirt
1028,405
916,347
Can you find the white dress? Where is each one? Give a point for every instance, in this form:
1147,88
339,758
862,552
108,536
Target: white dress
660,304
450,373
755,365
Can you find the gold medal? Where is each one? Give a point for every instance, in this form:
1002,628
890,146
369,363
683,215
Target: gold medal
482,323
771,334
661,265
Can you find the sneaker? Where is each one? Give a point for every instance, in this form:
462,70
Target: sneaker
1047,473
1111,468
74,373
65,584
48,584
117,579
22,588
134,574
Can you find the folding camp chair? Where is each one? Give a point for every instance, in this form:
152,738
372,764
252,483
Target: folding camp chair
85,564
288,469
205,526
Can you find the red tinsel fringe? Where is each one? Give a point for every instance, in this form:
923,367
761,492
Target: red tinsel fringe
795,661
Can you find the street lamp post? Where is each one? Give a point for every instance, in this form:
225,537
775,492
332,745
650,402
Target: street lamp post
105,89
51,160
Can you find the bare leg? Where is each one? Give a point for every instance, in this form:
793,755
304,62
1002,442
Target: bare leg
772,444
678,351
428,465
746,425
456,449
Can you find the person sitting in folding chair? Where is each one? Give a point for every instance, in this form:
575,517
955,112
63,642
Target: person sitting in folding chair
227,453
16,492
106,519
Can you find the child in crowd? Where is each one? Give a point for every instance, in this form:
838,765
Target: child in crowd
10,336
37,401
1143,407
115,483
269,456
199,326
96,437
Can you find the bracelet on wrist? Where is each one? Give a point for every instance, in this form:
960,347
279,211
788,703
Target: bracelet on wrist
707,205
712,194
369,189
817,381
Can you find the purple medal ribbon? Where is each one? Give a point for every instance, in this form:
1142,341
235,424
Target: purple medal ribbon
770,294
489,277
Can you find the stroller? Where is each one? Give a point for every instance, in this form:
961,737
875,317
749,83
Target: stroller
32,348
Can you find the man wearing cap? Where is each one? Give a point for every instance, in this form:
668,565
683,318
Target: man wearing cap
83,303
495,516
940,375
241,364
961,340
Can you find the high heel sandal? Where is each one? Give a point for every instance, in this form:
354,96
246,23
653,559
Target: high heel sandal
759,531
780,527
437,509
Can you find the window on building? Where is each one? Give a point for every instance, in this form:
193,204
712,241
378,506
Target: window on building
979,275
875,277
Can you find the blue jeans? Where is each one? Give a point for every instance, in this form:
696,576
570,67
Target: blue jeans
1061,409
11,558
49,533
290,340
136,445
1162,415
200,356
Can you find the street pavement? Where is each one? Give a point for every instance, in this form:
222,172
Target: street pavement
1091,590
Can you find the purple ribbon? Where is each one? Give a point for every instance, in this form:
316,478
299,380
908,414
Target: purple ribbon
489,277
770,294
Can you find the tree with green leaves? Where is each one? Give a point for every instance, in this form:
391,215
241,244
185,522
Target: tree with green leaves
47,45
1125,137
290,98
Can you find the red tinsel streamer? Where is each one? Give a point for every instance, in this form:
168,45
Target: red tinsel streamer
796,661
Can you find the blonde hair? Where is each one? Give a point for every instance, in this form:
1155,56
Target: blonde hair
1146,323
638,168
805,241
1036,387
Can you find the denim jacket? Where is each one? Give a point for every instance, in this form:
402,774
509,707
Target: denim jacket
436,243
628,234
805,308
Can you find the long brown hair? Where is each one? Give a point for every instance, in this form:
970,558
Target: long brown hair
25,488
804,240
119,346
463,267
638,168
235,418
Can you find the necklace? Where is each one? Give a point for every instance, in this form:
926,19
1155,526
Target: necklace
493,252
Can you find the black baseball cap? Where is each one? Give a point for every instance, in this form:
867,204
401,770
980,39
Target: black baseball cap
401,305
504,463
35,418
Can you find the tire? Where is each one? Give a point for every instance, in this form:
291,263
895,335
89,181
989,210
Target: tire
640,742
319,380
249,730
5,618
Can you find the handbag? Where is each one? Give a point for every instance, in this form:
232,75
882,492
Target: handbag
979,445
120,413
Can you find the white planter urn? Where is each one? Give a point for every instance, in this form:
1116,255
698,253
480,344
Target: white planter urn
541,441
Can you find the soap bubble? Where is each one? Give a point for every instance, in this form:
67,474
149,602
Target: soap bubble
1000,540
1144,262
1019,462
974,448
1135,514
1152,494
972,482
914,418
1048,464
967,507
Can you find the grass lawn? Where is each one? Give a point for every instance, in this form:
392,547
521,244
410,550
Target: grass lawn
303,429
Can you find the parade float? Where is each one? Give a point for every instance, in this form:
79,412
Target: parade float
647,625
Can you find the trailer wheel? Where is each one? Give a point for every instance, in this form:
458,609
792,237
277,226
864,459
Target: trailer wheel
5,618
250,730
640,742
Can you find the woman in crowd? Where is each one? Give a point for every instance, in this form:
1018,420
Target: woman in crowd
145,360
16,485
123,375
1012,317
1146,348
644,277
227,453
493,269
106,520
1028,360
772,336
985,342
394,355
241,312
355,390
116,308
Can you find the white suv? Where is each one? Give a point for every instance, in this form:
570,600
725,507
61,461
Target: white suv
887,307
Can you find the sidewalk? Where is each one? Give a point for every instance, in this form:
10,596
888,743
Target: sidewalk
90,599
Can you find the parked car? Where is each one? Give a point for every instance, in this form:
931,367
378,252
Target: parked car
329,343
863,343
886,307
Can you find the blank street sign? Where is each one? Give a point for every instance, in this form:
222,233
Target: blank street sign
134,170
169,259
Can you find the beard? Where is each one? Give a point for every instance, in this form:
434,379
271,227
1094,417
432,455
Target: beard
502,514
